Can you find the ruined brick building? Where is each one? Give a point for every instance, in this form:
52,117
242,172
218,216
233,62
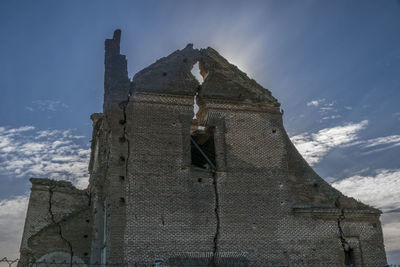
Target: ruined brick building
227,188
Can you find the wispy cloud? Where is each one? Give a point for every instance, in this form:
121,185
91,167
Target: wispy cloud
315,103
332,117
12,218
26,152
315,146
46,105
381,190
325,109
380,144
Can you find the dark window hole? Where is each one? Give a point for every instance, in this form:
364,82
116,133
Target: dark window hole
122,158
122,139
164,74
88,221
203,148
349,258
316,185
185,60
85,236
122,178
199,180
122,200
273,131
85,254
122,122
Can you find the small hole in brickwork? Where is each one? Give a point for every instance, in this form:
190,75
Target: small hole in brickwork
88,221
122,158
185,60
122,139
122,122
282,203
273,131
85,254
122,200
122,178
174,124
315,185
164,74
85,236
374,225
199,180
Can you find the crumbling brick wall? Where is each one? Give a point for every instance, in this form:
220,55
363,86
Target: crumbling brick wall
256,202
58,219
262,205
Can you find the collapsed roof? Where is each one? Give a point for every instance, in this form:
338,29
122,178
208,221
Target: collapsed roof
172,74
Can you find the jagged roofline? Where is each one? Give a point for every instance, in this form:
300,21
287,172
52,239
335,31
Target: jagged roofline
172,74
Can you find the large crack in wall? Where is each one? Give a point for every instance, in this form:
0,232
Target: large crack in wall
125,136
343,241
218,224
58,224
201,118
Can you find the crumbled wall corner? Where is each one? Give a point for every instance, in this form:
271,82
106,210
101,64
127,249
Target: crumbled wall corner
51,204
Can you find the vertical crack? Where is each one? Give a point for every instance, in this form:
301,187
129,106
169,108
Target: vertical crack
71,253
216,210
343,241
125,135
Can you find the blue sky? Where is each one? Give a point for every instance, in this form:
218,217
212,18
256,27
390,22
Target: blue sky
333,65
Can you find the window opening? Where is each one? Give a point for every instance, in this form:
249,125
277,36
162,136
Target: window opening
349,258
203,148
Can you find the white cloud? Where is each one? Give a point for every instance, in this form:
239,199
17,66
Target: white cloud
25,152
50,153
332,117
12,218
391,230
381,190
393,139
315,103
315,146
381,143
46,105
